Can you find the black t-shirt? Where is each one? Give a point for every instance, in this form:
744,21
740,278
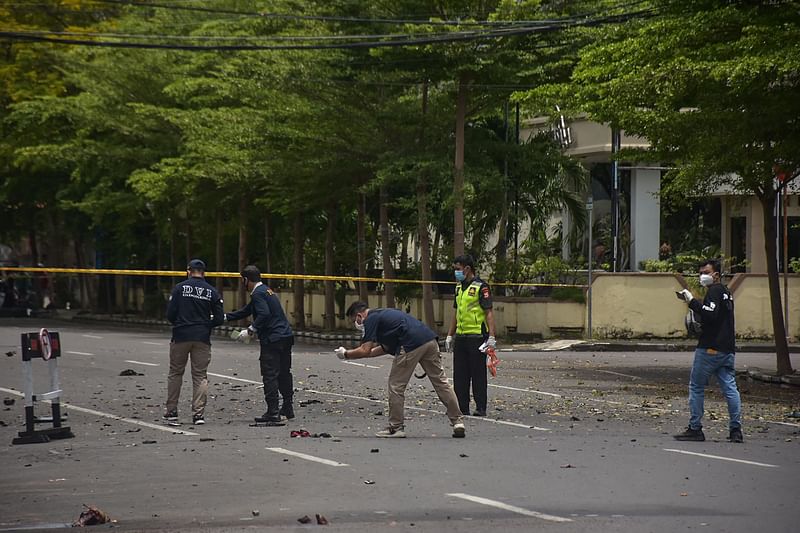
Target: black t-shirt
393,329
716,317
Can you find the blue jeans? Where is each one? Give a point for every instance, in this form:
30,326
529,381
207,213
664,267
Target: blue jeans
720,365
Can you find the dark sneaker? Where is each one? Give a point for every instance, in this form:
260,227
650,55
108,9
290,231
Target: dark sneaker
690,434
391,433
479,412
198,420
268,418
459,431
736,435
287,410
171,416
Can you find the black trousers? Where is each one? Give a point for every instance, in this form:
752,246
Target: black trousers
469,367
276,371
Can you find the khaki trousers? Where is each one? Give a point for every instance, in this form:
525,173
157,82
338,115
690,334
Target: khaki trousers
403,366
179,354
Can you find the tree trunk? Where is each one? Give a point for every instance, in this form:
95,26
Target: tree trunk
267,230
298,285
422,226
218,266
458,170
188,241
362,248
386,247
330,286
242,259
784,363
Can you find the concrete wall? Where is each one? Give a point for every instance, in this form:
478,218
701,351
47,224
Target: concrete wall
624,305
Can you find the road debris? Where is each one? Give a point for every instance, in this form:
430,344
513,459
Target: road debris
304,519
91,516
130,372
321,520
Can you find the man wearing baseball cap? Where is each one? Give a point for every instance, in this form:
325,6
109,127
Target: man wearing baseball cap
194,309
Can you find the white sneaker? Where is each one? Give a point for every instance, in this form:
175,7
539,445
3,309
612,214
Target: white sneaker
459,431
391,433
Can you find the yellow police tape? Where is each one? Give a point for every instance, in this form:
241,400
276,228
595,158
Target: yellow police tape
311,277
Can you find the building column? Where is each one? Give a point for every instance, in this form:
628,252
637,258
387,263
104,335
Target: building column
566,228
645,215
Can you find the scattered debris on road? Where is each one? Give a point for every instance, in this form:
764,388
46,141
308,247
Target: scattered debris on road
304,519
130,372
321,520
91,516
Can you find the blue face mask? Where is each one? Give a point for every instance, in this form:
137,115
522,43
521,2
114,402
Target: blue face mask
460,275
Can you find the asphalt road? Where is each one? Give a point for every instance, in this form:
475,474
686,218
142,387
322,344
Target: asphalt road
573,442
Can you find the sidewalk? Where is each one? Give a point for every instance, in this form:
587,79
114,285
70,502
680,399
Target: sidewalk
575,345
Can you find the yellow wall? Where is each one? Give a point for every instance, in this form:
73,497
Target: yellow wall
624,305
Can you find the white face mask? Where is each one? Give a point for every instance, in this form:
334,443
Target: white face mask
706,280
359,327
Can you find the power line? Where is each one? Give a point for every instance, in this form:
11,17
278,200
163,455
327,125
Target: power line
408,41
330,18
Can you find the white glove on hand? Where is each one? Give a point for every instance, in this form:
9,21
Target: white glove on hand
687,295
491,342
340,351
242,336
448,344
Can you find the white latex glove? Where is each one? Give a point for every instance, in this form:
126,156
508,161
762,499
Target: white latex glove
242,336
448,344
687,295
340,351
491,342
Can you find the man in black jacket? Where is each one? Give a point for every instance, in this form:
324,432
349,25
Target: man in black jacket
715,354
194,309
276,339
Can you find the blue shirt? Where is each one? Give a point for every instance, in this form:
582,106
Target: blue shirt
394,329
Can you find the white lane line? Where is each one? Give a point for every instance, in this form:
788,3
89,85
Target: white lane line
234,378
354,397
92,336
360,364
307,457
80,353
154,343
521,390
111,416
412,408
526,390
141,363
617,373
721,458
784,423
506,507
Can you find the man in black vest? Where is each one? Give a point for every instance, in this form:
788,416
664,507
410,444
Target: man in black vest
276,339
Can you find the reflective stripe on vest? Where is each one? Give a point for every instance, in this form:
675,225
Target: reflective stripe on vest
470,316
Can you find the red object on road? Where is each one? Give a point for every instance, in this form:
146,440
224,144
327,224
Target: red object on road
492,361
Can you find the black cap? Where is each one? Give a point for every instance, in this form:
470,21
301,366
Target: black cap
196,264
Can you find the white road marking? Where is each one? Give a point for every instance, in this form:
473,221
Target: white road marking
80,353
506,507
360,364
526,390
111,416
235,379
141,363
307,457
412,408
521,390
617,373
92,336
784,423
154,343
721,458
